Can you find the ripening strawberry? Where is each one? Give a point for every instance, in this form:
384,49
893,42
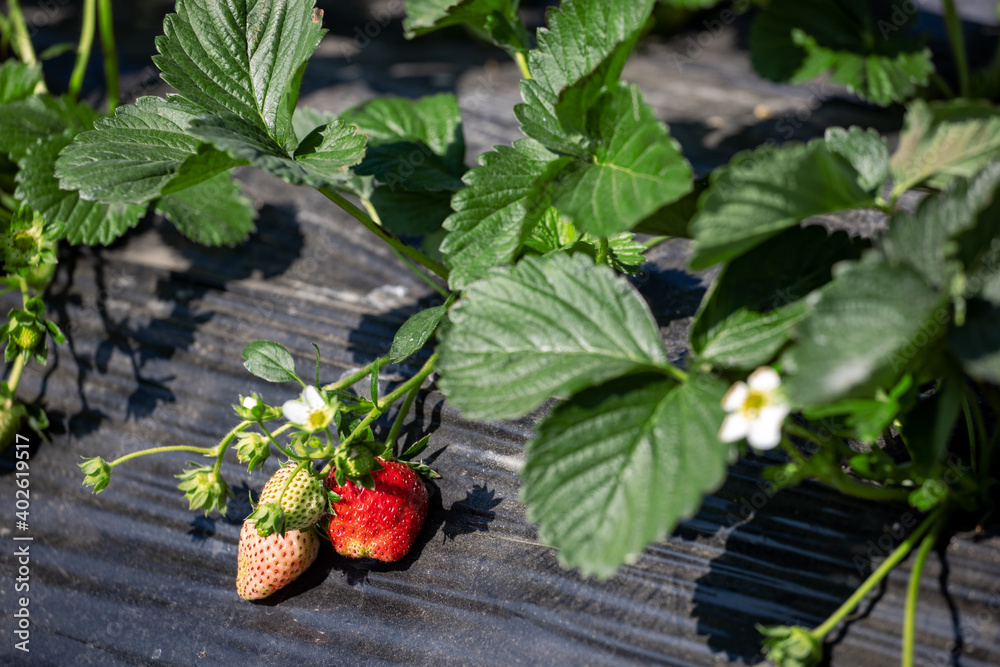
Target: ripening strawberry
27,338
267,564
304,501
380,523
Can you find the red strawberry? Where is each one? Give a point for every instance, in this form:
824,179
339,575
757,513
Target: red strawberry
380,523
267,564
304,501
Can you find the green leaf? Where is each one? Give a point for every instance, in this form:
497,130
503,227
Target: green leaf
416,331
633,170
866,150
505,198
242,57
948,231
322,158
579,55
549,325
620,465
865,330
88,222
763,191
977,343
24,122
411,213
307,119
674,219
214,212
875,59
414,144
136,156
18,80
498,18
944,140
756,300
270,361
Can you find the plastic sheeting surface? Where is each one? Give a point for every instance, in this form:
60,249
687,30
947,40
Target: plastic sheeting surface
156,326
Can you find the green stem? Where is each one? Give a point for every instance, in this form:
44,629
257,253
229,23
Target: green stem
357,375
22,41
415,381
288,482
397,424
912,591
216,451
107,27
410,265
877,576
953,25
971,429
655,241
15,373
359,215
274,441
83,48
946,90
522,63
603,250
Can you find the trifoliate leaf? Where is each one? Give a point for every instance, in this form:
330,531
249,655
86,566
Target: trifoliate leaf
413,144
749,312
497,18
794,41
977,343
549,325
763,191
634,168
929,240
241,57
214,212
18,80
865,329
505,198
415,332
944,140
324,154
618,466
270,361
866,150
136,156
89,222
24,122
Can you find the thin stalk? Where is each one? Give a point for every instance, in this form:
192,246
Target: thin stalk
274,441
357,375
410,265
655,241
362,217
877,576
912,591
953,25
217,451
939,81
404,410
15,373
522,63
106,24
971,429
21,41
83,48
603,250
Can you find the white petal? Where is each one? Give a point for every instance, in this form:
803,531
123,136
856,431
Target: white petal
765,431
296,412
311,397
764,379
249,402
735,397
734,427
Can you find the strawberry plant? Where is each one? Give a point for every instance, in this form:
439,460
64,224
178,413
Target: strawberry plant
834,348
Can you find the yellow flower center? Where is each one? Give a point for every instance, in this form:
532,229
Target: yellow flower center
754,403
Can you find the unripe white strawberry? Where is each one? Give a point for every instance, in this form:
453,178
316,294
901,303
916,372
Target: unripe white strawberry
304,501
267,564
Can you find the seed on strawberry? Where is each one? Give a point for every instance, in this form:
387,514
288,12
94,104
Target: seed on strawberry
267,564
304,500
383,522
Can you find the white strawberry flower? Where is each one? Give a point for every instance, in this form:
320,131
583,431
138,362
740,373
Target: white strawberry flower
310,413
250,402
756,408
